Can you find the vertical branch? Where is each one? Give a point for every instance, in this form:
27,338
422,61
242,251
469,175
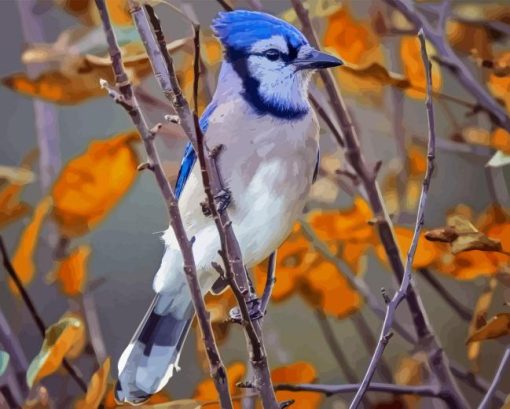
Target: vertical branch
35,314
436,36
367,176
368,339
485,404
235,272
125,97
420,218
46,115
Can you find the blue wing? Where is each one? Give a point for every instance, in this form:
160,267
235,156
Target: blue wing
190,156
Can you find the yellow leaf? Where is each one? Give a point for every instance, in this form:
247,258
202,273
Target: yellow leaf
76,78
324,287
96,389
60,338
411,371
72,271
90,185
496,327
426,252
500,85
298,372
356,43
11,208
479,320
413,67
22,260
206,391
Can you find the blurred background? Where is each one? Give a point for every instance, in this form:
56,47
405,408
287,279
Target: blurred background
82,226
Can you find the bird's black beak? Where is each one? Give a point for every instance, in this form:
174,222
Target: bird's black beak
316,60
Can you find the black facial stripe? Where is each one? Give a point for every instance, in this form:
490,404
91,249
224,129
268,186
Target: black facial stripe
251,94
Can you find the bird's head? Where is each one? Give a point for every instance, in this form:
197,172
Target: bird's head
273,60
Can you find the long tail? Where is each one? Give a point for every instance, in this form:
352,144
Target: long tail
151,357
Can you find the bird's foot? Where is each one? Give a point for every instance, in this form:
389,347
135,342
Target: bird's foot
254,309
222,199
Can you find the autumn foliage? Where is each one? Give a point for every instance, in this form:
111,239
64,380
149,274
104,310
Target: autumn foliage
331,249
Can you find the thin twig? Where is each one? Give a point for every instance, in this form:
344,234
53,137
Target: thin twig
46,114
485,404
34,313
463,312
335,347
436,35
11,343
370,342
88,307
235,272
420,219
428,340
270,281
225,5
330,390
125,97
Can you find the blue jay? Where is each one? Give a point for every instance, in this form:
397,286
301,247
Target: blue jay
260,113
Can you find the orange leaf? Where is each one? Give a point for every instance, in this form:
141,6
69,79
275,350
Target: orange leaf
411,371
351,39
299,372
413,68
345,225
109,399
500,86
206,391
293,260
356,43
426,252
59,340
467,265
72,271
11,208
479,320
22,260
92,184
96,389
324,287
497,326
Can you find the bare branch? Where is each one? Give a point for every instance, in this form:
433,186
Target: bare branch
437,37
429,342
270,281
486,402
235,272
330,390
125,97
463,312
420,217
73,372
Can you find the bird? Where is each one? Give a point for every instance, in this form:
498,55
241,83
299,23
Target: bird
261,115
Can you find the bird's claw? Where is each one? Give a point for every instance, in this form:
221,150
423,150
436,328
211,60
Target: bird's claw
254,309
222,199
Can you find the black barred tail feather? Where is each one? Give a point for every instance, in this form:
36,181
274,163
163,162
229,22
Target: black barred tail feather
151,357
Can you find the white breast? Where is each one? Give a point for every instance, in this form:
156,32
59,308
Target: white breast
268,166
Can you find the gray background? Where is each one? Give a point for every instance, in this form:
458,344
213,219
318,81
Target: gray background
126,252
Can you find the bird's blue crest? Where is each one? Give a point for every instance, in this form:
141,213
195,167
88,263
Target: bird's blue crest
240,29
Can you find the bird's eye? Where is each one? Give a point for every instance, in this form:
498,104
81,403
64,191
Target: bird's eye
272,54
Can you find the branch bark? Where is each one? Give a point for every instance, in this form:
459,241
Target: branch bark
428,341
486,401
73,372
330,390
463,312
450,393
123,95
436,36
46,115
